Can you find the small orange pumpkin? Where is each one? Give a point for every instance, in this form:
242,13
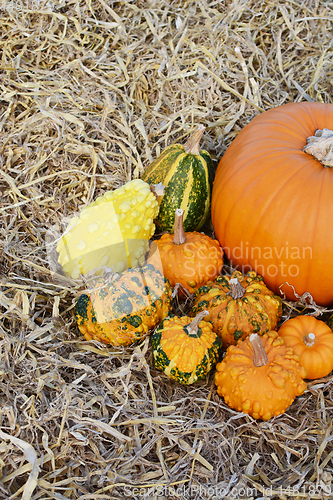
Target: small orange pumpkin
312,340
191,259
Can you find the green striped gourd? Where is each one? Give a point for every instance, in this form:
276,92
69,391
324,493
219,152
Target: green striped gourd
186,173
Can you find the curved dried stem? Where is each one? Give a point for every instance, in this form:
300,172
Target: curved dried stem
259,354
237,291
193,326
192,145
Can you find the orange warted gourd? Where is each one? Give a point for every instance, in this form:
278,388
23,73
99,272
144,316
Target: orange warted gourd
123,309
312,340
260,376
185,349
238,305
190,259
272,199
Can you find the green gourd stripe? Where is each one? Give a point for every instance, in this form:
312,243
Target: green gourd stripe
211,170
187,179
187,194
175,183
163,164
199,194
187,187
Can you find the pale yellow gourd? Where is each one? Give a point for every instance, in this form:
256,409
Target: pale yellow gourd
114,230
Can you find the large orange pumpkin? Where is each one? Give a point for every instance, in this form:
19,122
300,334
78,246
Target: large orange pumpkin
272,208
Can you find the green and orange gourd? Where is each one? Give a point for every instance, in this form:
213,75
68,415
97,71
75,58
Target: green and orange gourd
124,308
238,305
185,348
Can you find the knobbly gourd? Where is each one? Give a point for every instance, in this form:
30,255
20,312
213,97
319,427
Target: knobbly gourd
125,308
190,259
185,349
187,174
312,340
260,376
113,231
272,199
238,305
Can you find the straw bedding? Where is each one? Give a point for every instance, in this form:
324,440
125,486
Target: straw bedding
90,93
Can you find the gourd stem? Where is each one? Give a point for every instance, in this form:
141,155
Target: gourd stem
192,145
158,190
193,326
259,354
309,339
320,146
179,234
237,291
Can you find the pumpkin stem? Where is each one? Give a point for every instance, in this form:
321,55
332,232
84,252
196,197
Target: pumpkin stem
259,354
237,291
192,145
179,234
320,146
309,339
192,328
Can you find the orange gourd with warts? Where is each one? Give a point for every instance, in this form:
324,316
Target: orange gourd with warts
260,376
312,340
238,305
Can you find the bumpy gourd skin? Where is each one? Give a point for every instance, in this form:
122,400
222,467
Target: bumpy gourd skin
113,231
258,311
122,311
265,391
183,356
316,356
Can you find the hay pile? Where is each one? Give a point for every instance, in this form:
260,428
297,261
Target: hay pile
91,91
